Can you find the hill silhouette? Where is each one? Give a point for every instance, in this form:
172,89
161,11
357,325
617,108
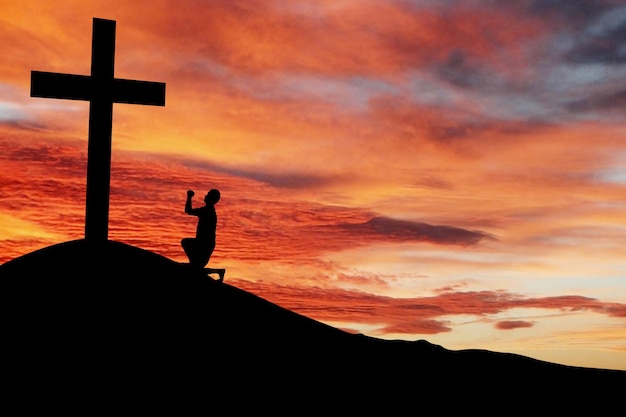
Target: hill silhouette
110,323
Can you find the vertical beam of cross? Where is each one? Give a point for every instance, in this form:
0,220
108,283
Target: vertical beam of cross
100,132
101,89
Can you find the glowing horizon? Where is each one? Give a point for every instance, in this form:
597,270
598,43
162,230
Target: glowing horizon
447,171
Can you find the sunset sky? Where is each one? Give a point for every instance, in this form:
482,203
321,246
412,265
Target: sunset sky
447,170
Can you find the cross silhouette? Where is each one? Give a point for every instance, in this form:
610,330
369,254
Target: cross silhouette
101,89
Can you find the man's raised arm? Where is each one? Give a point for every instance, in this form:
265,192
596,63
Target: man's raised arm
188,208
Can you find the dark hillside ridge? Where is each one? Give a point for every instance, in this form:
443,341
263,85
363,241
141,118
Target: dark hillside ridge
81,318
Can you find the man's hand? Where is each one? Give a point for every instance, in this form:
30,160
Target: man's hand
190,193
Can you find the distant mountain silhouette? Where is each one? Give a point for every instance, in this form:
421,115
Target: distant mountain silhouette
111,324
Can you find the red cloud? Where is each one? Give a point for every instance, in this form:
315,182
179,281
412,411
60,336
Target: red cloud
421,315
147,197
147,202
417,327
512,324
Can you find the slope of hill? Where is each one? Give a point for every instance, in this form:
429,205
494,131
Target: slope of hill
110,322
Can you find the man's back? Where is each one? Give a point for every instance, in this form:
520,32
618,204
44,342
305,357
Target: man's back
207,223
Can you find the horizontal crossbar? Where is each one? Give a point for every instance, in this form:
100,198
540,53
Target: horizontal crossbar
87,88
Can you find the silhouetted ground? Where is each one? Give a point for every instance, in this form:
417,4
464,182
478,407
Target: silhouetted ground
114,327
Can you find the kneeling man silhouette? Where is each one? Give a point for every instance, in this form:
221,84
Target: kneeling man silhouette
200,248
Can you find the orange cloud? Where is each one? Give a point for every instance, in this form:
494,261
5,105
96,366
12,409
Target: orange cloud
257,37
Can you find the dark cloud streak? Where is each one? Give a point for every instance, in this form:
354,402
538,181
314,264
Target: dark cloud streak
606,45
384,228
573,13
607,101
288,180
608,48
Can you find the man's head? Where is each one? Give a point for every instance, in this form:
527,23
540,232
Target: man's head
212,197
